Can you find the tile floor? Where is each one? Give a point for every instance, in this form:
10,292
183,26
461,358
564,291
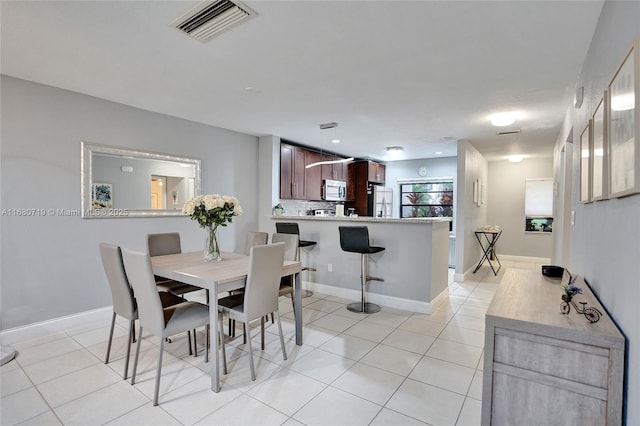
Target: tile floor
391,368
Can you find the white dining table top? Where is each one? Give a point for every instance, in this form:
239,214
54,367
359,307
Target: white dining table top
193,269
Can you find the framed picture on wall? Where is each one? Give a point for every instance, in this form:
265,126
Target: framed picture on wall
585,164
624,126
102,195
599,189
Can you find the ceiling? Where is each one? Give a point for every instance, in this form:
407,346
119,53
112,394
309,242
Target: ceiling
419,74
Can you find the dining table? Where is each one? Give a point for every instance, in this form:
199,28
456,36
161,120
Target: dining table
221,276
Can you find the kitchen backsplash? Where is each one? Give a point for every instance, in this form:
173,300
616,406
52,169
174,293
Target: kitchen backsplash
301,207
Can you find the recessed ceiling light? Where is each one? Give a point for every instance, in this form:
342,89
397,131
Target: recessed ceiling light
515,158
502,119
335,140
449,138
438,153
251,89
395,149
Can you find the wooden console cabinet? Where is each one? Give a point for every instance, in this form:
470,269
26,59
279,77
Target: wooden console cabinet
545,368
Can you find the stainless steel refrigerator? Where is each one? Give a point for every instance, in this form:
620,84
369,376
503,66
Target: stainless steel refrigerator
379,201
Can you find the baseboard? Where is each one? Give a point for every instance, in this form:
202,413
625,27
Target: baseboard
380,299
545,260
56,325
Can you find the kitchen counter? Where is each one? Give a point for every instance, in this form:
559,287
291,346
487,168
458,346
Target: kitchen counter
414,264
369,219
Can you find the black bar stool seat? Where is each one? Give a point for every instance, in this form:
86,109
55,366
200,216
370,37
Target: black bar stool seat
292,228
355,239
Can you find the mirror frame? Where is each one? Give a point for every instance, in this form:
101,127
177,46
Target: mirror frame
86,172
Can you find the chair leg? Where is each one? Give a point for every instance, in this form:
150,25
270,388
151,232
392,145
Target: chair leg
113,323
133,332
189,341
284,351
135,362
159,370
244,333
221,336
262,333
206,343
253,369
126,360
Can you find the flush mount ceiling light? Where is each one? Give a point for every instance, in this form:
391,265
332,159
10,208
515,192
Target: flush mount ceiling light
323,127
438,153
502,119
395,149
211,18
515,158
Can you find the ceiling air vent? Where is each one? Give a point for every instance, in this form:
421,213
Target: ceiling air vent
508,132
211,18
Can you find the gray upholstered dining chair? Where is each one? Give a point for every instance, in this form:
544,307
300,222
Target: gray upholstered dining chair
161,245
124,302
291,252
255,238
260,295
159,321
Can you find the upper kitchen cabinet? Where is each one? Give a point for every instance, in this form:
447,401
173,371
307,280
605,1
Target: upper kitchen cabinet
336,171
376,172
292,172
313,176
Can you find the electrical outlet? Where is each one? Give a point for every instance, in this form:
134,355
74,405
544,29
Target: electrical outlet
330,267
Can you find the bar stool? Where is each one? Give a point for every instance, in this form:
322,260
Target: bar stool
292,228
355,239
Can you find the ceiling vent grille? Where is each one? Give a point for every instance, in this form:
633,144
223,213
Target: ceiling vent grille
508,132
212,18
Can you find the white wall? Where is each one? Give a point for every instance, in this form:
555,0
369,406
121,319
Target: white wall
50,266
505,207
408,169
469,217
605,246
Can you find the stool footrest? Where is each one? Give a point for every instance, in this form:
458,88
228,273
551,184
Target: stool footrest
374,279
309,268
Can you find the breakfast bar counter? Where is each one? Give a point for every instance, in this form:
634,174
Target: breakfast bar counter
414,265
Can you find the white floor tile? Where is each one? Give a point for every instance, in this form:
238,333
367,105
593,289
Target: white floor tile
391,359
13,380
348,346
324,306
77,384
47,418
287,391
34,354
60,365
322,366
409,341
370,383
470,414
388,318
427,403
244,411
147,415
443,374
91,409
421,325
334,322
388,417
466,336
464,321
317,336
370,331
475,390
455,352
335,407
21,406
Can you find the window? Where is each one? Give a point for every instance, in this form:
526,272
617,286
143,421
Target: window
538,205
429,198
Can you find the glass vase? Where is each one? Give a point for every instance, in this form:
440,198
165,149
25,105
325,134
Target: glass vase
211,246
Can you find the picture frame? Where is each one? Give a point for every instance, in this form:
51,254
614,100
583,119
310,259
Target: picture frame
101,195
586,147
624,126
599,168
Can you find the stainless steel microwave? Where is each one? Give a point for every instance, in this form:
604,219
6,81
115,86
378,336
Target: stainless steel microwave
334,190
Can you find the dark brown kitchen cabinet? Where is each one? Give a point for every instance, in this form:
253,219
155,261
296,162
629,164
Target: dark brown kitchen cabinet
313,177
376,172
335,171
292,172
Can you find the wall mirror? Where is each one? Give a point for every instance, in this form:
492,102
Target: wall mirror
118,182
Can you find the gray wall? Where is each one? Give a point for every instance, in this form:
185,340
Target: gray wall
505,206
605,246
469,216
50,265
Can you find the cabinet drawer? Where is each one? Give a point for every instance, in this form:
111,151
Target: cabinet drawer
559,358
